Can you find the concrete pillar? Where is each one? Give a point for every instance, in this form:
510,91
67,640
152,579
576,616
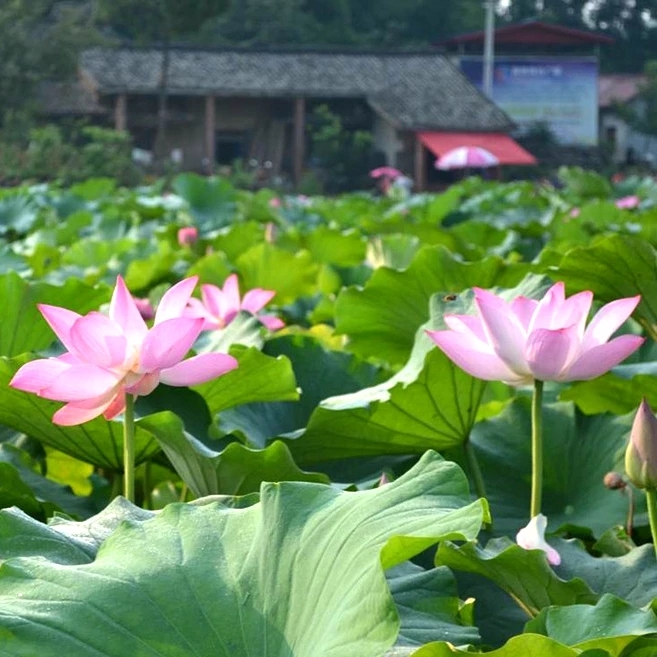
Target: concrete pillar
209,134
299,142
121,112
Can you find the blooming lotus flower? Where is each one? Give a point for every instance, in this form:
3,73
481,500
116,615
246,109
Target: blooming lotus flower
545,340
220,306
110,356
641,452
532,537
187,235
628,202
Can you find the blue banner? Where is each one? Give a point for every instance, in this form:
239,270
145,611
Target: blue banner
561,92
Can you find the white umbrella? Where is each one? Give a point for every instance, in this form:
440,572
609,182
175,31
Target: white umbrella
465,157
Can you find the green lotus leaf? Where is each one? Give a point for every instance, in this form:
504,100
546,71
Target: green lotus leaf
298,573
382,319
236,470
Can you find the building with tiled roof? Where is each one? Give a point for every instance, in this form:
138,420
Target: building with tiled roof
226,104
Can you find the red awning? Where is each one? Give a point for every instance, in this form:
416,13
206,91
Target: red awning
502,146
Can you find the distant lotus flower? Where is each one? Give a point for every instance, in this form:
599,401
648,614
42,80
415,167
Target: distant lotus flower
574,213
111,357
641,452
275,202
145,308
220,306
187,235
532,537
548,340
628,202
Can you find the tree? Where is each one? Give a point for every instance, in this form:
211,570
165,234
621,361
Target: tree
632,24
39,40
642,114
159,22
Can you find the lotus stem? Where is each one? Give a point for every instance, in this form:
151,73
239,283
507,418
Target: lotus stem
129,449
537,449
651,497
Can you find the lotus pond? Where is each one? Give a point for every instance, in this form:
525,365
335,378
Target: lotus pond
427,381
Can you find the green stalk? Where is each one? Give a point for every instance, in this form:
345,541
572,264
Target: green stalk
537,449
651,496
129,449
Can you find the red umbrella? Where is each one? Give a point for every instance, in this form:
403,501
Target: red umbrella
466,157
388,172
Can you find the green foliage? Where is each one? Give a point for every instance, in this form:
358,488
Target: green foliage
344,156
39,40
87,152
336,601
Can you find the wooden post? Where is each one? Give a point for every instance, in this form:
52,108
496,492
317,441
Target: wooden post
299,144
121,112
420,163
209,137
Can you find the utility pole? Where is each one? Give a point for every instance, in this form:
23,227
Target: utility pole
489,47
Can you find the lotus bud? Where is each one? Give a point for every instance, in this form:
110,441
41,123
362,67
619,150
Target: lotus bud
614,481
187,235
641,452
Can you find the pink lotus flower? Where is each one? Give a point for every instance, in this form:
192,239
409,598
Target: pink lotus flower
187,235
641,452
532,537
109,357
145,308
275,202
219,306
628,202
548,340
574,213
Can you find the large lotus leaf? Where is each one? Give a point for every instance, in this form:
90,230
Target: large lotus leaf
23,327
611,624
336,247
297,574
212,268
525,645
143,273
62,540
578,452
258,378
290,275
395,251
98,442
619,391
320,373
428,606
632,577
237,470
18,213
211,200
187,404
21,485
524,574
612,267
234,240
382,318
430,404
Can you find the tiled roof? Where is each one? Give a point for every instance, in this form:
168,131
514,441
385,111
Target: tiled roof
618,88
59,98
413,90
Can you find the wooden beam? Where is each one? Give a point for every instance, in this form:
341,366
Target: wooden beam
420,166
299,143
121,113
209,135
